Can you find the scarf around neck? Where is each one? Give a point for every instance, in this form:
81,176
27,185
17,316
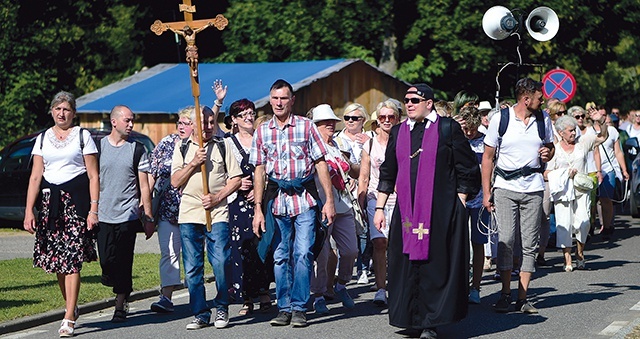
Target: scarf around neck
416,215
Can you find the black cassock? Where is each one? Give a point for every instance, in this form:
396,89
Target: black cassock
433,292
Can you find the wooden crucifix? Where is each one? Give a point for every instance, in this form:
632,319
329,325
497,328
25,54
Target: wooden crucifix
188,29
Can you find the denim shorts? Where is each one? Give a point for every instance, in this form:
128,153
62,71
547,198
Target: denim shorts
607,186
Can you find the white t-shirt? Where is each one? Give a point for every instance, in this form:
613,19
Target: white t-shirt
591,160
519,148
63,159
633,133
608,161
356,147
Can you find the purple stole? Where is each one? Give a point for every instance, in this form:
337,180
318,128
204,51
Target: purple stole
416,219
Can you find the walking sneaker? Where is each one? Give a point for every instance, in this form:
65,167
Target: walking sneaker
363,278
344,296
298,319
164,305
429,333
320,305
525,306
222,319
474,296
380,299
283,319
197,324
502,306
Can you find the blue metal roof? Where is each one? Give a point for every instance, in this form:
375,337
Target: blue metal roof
166,88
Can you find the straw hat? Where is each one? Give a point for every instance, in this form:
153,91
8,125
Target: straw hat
369,124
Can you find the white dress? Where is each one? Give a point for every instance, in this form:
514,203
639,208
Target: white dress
573,216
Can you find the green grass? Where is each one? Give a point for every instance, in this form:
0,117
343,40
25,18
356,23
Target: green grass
25,290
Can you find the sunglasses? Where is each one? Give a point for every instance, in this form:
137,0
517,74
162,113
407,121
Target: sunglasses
352,117
183,123
390,118
561,113
414,101
579,116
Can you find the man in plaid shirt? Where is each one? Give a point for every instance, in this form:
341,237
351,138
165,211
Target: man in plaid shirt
285,151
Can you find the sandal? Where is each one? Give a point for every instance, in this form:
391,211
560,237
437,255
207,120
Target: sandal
76,312
119,316
247,308
65,330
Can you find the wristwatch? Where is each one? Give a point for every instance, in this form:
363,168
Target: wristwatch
148,219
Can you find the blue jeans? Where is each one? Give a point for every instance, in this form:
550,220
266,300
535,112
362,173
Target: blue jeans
293,260
219,254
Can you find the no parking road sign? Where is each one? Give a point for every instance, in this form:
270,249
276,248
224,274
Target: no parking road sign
560,84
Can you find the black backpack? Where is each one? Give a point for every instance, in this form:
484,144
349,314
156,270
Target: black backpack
504,122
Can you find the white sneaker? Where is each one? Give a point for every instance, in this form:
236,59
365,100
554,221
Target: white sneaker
363,279
380,298
222,319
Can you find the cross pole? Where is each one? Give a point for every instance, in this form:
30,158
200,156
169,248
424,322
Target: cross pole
188,30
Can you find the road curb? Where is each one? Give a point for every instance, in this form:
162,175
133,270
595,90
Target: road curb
627,329
54,315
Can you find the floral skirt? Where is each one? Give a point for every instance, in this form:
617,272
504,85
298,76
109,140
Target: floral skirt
64,249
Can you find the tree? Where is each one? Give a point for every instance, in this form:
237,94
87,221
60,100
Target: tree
597,43
305,30
77,46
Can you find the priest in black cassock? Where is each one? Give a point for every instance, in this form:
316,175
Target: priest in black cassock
432,168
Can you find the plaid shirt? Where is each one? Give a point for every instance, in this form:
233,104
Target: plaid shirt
288,153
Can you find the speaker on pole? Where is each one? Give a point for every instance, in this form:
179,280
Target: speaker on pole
498,23
542,24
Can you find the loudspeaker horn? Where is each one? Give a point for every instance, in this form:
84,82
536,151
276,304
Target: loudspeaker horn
542,24
498,23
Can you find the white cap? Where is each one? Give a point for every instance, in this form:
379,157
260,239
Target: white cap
324,112
484,105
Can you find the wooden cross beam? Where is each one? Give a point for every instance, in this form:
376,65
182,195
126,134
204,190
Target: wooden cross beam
188,30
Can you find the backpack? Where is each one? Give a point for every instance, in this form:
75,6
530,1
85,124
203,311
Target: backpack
218,141
502,129
137,155
81,138
504,122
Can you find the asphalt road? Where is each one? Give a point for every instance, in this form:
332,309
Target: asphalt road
600,302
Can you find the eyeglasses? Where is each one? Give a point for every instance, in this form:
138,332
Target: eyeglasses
414,101
183,123
352,117
390,118
245,114
579,116
561,113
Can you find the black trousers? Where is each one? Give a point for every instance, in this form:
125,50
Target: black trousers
115,249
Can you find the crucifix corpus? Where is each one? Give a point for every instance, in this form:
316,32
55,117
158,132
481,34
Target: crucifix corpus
188,30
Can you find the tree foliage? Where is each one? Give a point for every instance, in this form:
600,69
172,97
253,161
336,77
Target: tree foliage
82,45
48,46
283,30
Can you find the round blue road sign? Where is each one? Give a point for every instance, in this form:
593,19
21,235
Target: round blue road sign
560,84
